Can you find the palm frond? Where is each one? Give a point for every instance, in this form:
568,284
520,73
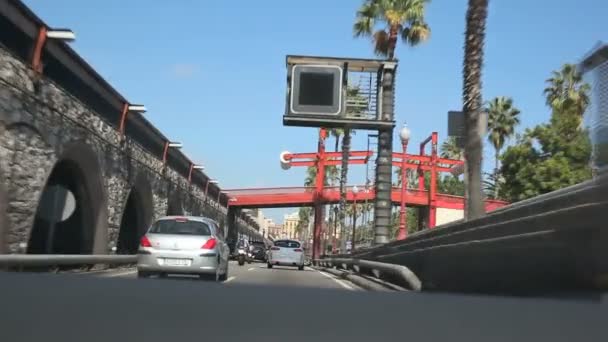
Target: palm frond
381,42
416,33
364,24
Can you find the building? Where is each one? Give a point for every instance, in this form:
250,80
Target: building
290,225
594,68
262,221
275,231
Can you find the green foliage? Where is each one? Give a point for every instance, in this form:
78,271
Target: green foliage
555,155
446,184
547,158
403,18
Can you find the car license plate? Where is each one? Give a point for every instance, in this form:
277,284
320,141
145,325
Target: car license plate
177,262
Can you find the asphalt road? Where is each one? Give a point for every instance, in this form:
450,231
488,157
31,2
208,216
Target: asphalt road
257,274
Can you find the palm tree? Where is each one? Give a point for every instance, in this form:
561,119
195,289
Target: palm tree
502,119
450,149
477,14
566,90
403,18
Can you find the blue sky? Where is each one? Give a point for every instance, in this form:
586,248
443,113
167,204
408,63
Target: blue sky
212,73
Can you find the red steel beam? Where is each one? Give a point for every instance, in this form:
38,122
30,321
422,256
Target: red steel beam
329,196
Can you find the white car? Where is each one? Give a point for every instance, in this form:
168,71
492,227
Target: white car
286,253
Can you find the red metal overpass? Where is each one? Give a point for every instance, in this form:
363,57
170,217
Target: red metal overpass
305,196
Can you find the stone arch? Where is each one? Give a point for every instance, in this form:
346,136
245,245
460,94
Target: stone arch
137,215
71,215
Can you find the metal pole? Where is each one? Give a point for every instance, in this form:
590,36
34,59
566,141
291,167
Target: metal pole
50,241
433,189
352,243
402,219
320,182
333,244
384,174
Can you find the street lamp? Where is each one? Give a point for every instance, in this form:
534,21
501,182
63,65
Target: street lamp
126,109
192,168
352,242
44,34
170,144
404,134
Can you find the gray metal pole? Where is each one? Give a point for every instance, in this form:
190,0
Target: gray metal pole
384,174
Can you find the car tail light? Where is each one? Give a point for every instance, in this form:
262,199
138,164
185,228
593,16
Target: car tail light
145,242
275,248
297,250
210,244
181,219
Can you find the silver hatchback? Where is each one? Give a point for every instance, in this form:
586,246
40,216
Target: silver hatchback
184,245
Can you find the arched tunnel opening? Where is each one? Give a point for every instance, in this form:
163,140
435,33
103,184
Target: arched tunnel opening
132,225
64,222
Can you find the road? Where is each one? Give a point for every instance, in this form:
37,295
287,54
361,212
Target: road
259,274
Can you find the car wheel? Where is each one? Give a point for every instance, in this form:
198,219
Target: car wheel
141,274
241,261
269,265
224,277
301,267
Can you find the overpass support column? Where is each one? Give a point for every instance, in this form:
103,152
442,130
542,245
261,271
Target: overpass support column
384,160
232,227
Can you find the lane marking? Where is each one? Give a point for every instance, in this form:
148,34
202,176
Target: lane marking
229,279
112,275
251,269
339,281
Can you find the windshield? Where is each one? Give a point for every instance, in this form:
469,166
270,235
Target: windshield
178,227
287,244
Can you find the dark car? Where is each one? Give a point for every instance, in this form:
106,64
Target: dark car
259,252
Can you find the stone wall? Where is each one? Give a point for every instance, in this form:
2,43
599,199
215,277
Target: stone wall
41,124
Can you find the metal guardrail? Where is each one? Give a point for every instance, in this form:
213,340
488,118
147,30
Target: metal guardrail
64,259
376,268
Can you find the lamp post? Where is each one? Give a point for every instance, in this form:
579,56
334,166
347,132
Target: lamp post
352,242
404,134
209,181
168,145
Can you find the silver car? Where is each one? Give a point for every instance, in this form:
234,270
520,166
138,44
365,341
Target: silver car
286,252
184,245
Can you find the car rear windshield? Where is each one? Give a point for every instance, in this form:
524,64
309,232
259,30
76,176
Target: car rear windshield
180,227
287,244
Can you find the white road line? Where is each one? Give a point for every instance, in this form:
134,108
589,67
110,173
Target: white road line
229,279
112,275
339,281
251,269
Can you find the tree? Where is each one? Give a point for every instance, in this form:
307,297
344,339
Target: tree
566,90
476,16
304,215
502,119
450,149
550,156
403,18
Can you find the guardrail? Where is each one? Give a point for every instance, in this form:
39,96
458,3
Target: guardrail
24,260
401,272
551,243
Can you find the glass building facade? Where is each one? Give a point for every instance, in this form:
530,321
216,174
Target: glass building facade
595,72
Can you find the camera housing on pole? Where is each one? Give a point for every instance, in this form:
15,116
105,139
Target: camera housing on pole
318,93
